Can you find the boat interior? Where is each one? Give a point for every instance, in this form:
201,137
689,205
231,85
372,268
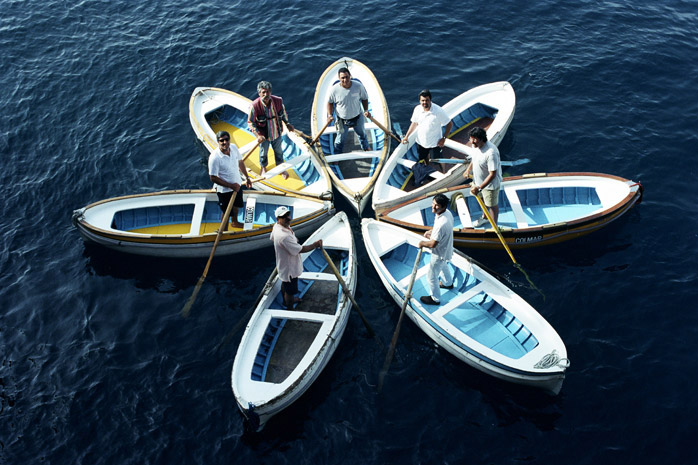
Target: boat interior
286,340
228,118
530,208
467,308
177,219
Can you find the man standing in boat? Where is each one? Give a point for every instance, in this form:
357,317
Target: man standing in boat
440,241
347,98
224,167
427,119
265,118
487,172
288,255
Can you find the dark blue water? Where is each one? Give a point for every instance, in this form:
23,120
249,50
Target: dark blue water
98,366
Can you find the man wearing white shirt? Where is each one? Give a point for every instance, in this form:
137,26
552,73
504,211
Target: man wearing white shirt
224,167
487,172
288,252
427,119
440,241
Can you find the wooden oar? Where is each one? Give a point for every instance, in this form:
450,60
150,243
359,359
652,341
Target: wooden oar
384,129
486,212
408,296
314,141
347,292
458,161
302,134
501,239
251,150
224,223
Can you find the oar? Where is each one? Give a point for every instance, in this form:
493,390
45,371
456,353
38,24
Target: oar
187,307
501,239
347,292
314,141
302,134
458,161
408,296
251,150
462,148
494,226
384,129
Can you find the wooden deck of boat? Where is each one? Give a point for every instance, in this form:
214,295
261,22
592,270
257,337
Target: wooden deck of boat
297,336
355,168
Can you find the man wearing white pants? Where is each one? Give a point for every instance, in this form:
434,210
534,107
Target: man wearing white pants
440,241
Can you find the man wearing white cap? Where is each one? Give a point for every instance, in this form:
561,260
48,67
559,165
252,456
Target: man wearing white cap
288,255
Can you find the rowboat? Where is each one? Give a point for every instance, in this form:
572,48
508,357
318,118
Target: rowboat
490,106
353,172
480,320
184,223
534,209
283,351
212,110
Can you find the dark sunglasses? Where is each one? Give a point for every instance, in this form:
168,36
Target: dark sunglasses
224,140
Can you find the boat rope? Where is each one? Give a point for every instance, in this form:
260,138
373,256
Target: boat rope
552,359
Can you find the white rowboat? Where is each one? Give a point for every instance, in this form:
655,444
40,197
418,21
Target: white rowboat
490,106
283,351
183,223
212,110
480,320
355,171
534,209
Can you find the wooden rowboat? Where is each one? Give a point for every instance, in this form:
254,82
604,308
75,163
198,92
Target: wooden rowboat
490,106
283,351
183,223
534,209
353,172
480,320
212,110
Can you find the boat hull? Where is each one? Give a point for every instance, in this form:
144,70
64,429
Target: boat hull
605,199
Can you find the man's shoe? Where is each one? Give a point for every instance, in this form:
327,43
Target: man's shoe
443,286
426,299
479,222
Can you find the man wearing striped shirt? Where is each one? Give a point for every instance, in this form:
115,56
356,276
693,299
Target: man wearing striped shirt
265,118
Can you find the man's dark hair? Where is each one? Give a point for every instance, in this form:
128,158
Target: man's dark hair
220,134
425,93
343,69
441,200
478,133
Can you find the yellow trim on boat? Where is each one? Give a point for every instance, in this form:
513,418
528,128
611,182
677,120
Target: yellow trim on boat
450,136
